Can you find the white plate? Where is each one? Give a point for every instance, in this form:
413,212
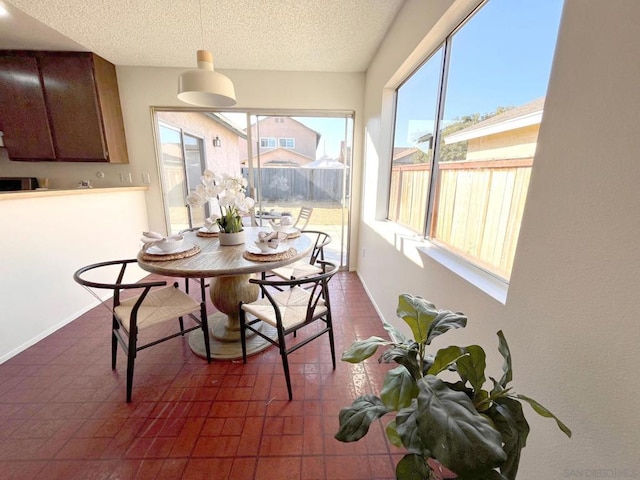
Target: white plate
205,230
155,250
282,247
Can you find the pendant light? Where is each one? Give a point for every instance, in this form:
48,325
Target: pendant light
203,86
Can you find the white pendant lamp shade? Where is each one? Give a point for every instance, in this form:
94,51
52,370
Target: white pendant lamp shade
205,87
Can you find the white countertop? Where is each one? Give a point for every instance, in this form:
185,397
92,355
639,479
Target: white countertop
74,191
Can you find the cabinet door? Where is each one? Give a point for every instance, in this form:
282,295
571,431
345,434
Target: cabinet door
73,106
23,115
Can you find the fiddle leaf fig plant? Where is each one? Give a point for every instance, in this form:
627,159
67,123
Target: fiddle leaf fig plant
451,425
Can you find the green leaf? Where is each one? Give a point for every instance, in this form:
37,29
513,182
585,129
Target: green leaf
360,350
471,366
407,429
412,467
418,313
544,412
392,434
445,358
509,420
445,321
454,432
356,419
503,348
425,320
399,388
405,356
395,334
481,400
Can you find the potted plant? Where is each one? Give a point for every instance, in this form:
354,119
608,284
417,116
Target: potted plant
451,424
226,195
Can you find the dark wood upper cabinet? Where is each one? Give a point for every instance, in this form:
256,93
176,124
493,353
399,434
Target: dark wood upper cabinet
23,113
81,118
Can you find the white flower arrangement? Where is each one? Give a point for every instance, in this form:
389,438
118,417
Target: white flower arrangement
226,195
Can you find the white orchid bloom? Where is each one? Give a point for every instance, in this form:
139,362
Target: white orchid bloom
208,176
195,200
227,200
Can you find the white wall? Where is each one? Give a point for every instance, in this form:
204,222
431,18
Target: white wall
571,311
142,88
45,238
65,175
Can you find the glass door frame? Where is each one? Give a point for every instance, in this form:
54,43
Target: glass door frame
161,171
252,145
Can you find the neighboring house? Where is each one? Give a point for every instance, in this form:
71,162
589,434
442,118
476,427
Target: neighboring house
407,155
510,135
222,142
284,142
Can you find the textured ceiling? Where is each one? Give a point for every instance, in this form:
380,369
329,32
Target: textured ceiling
299,35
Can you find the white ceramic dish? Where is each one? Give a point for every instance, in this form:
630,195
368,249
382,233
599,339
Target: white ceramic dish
206,230
283,247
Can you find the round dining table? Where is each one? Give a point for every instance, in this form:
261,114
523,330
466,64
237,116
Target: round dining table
229,270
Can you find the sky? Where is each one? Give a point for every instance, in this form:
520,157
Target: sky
501,57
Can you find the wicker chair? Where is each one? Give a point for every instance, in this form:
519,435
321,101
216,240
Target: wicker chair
288,306
155,304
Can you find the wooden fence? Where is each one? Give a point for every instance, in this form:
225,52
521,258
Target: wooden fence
292,184
478,207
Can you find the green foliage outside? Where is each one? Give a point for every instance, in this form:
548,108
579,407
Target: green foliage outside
458,150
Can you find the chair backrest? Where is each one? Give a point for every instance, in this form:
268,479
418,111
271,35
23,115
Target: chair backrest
322,240
303,218
117,286
316,285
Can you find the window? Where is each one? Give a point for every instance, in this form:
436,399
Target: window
267,142
287,142
466,129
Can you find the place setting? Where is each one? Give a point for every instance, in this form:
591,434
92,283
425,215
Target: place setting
156,247
269,247
285,225
211,228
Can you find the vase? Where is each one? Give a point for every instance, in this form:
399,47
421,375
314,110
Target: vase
236,238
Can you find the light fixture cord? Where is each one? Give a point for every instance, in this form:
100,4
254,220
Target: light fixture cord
201,27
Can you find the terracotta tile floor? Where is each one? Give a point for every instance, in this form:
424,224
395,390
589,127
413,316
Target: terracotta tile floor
63,413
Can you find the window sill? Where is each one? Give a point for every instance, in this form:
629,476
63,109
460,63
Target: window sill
491,285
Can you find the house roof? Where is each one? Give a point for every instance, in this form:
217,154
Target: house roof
318,135
280,152
517,117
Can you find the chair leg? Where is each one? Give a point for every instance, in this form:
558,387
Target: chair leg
331,343
285,362
285,365
181,325
131,358
114,349
130,364
114,343
205,330
243,334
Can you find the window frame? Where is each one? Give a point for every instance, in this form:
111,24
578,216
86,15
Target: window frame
469,268
270,142
289,142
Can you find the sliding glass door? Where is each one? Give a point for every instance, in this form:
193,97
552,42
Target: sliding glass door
304,162
290,162
182,164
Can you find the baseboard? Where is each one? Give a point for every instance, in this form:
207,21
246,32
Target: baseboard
49,331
